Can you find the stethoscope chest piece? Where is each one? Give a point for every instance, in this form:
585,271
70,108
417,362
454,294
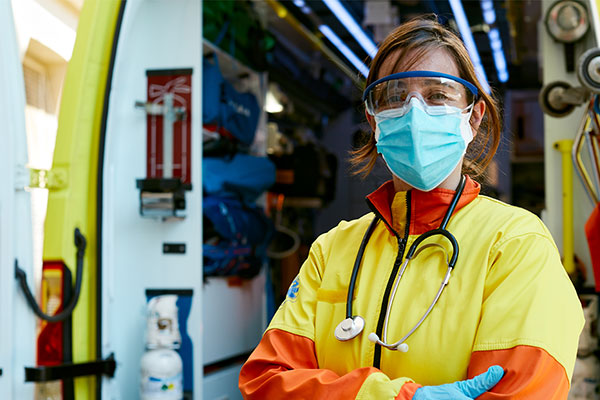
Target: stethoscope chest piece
349,328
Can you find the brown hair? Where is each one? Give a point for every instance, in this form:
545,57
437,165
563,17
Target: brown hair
418,37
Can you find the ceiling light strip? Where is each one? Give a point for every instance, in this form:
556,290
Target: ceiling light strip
498,53
489,16
282,12
465,32
352,26
337,42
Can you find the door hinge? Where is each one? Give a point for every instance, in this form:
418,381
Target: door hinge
53,179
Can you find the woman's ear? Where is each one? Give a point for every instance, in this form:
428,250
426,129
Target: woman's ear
371,120
477,115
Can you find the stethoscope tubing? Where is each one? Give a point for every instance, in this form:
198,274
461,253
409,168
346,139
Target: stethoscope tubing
394,346
412,252
356,266
433,232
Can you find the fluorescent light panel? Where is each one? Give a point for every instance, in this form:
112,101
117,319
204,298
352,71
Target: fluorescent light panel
465,32
355,30
337,42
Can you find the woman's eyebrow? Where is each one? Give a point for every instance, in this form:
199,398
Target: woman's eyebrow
438,82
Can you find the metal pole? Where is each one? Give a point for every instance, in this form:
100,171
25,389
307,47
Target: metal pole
565,146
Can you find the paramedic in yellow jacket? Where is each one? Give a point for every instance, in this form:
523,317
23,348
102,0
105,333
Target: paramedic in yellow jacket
507,324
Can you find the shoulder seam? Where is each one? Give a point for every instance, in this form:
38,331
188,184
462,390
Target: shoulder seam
504,241
511,206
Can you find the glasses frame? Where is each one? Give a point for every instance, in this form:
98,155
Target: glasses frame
421,74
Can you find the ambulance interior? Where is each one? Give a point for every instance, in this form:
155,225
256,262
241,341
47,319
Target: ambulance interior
118,152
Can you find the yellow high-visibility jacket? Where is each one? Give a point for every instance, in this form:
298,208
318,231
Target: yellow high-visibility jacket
509,302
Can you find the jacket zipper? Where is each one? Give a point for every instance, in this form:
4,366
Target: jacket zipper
399,257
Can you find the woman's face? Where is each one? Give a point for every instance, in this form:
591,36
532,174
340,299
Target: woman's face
437,60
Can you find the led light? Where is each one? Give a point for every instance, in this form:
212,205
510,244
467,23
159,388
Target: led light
299,3
355,30
465,32
489,15
498,53
272,105
337,42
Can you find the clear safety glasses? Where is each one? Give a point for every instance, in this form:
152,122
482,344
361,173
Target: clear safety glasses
440,93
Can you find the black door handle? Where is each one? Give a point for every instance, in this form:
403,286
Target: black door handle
71,370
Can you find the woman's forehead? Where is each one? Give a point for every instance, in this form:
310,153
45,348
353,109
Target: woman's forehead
437,60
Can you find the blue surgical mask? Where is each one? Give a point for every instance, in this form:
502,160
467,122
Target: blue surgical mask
419,148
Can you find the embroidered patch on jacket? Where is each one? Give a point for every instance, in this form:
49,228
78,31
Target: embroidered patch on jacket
292,293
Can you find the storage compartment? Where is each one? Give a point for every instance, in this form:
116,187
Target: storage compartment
223,384
234,317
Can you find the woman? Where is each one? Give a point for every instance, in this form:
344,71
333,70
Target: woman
505,326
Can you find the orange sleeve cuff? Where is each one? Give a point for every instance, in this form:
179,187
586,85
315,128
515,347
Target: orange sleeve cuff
408,391
284,365
529,373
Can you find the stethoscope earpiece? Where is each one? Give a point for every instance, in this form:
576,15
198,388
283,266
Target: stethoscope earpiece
401,347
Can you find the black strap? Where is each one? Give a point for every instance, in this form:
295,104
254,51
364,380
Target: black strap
80,243
71,370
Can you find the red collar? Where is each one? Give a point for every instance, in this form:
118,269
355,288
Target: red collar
427,209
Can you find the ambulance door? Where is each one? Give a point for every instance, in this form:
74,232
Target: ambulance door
17,325
151,190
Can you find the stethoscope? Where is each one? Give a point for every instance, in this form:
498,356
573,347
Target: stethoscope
352,326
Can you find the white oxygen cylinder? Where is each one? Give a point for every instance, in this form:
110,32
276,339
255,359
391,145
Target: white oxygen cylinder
161,365
162,377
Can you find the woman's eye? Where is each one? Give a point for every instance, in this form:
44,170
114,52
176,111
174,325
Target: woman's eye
438,96
397,97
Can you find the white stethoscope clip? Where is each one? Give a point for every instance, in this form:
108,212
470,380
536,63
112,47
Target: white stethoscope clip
349,328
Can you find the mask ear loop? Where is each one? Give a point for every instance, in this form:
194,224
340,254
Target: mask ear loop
466,130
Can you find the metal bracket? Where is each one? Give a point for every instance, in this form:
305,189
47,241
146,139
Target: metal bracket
179,113
71,370
162,198
575,95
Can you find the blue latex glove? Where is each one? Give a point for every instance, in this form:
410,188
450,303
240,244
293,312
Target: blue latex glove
462,390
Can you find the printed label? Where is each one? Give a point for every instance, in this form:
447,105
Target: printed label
171,388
